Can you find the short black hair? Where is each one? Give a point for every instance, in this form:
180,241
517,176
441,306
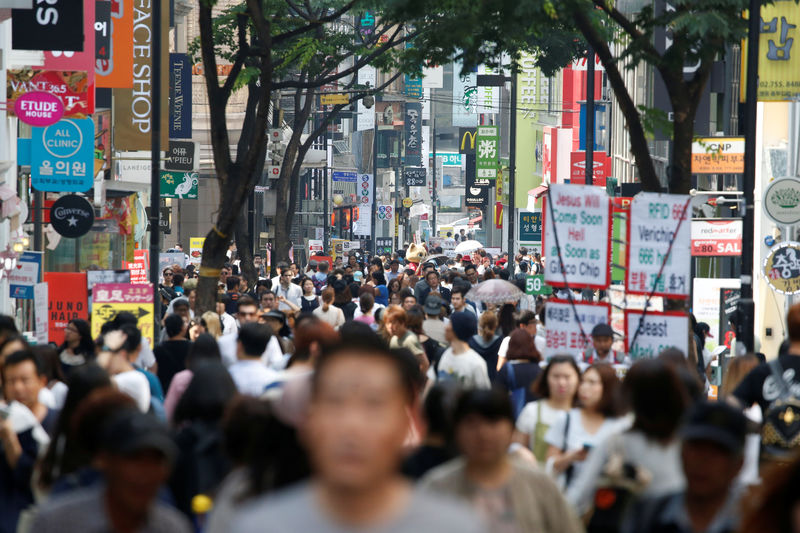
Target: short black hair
21,356
492,404
173,324
232,283
434,272
254,338
469,266
379,278
526,317
7,324
357,338
406,293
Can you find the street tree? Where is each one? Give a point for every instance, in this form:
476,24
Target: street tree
274,46
556,32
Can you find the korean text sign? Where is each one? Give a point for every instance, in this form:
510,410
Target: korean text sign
647,335
530,227
565,334
62,156
656,220
487,152
109,299
580,216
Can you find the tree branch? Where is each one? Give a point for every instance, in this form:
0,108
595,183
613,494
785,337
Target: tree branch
313,24
241,54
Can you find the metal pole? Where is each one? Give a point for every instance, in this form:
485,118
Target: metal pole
745,324
589,170
434,193
38,200
512,164
374,205
326,219
155,163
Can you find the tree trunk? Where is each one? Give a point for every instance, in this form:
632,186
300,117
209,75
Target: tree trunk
214,249
246,266
680,179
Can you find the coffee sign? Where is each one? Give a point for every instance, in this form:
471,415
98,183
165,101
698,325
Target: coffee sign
72,216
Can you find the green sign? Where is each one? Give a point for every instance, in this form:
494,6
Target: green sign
487,152
179,185
535,286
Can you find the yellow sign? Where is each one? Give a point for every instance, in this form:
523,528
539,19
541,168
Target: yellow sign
778,64
407,202
718,155
102,313
468,135
337,248
334,99
196,250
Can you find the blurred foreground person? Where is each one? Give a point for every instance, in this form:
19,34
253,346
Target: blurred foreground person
711,455
357,423
135,456
775,507
510,495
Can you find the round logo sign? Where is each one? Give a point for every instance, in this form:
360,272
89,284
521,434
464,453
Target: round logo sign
782,268
72,216
63,139
782,201
407,202
39,108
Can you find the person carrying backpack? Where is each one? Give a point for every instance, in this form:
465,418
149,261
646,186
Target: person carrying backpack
775,387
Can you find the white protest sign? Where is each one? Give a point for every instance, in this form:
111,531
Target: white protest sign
40,302
580,216
655,221
564,335
315,245
656,332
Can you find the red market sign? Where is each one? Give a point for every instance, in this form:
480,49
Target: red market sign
577,168
716,238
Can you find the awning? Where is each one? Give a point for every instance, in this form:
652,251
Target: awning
534,194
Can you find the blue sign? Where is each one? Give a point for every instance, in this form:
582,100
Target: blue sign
348,177
530,227
180,97
413,87
22,279
62,156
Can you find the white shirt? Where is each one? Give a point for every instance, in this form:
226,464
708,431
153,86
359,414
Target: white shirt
293,294
529,417
228,323
251,376
468,369
333,316
146,358
134,384
272,356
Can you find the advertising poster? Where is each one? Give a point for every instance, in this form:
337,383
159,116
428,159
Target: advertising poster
647,335
67,298
140,267
656,220
70,87
116,72
705,304
196,250
40,313
566,334
22,280
716,237
579,218
112,298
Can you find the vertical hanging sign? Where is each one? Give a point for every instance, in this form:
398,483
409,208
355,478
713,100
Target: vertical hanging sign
180,97
413,140
486,151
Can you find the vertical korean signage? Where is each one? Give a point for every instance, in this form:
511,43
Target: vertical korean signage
413,140
196,250
133,108
487,152
180,97
577,227
568,328
116,71
530,227
110,299
778,63
50,25
659,234
62,156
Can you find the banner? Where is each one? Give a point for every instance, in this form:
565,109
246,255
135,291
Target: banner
487,152
477,190
716,237
364,191
465,98
40,313
362,225
133,120
180,96
413,141
67,298
70,87
51,25
109,299
566,335
580,216
718,155
649,335
196,250
179,184
655,222
117,71
488,97
365,119
22,279
778,67
140,267
577,168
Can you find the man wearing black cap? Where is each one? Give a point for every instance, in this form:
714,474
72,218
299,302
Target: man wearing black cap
601,352
712,455
136,452
460,362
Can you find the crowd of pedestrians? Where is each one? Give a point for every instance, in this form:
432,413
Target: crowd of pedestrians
383,396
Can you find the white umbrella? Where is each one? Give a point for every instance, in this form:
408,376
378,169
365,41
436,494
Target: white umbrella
467,247
494,291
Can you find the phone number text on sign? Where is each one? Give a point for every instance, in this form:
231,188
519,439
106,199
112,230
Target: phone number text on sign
580,215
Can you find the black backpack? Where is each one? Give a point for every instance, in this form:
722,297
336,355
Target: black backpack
780,434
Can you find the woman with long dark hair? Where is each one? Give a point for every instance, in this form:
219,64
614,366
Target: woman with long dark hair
78,346
522,366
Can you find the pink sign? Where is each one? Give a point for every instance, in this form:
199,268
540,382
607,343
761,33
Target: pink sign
39,108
